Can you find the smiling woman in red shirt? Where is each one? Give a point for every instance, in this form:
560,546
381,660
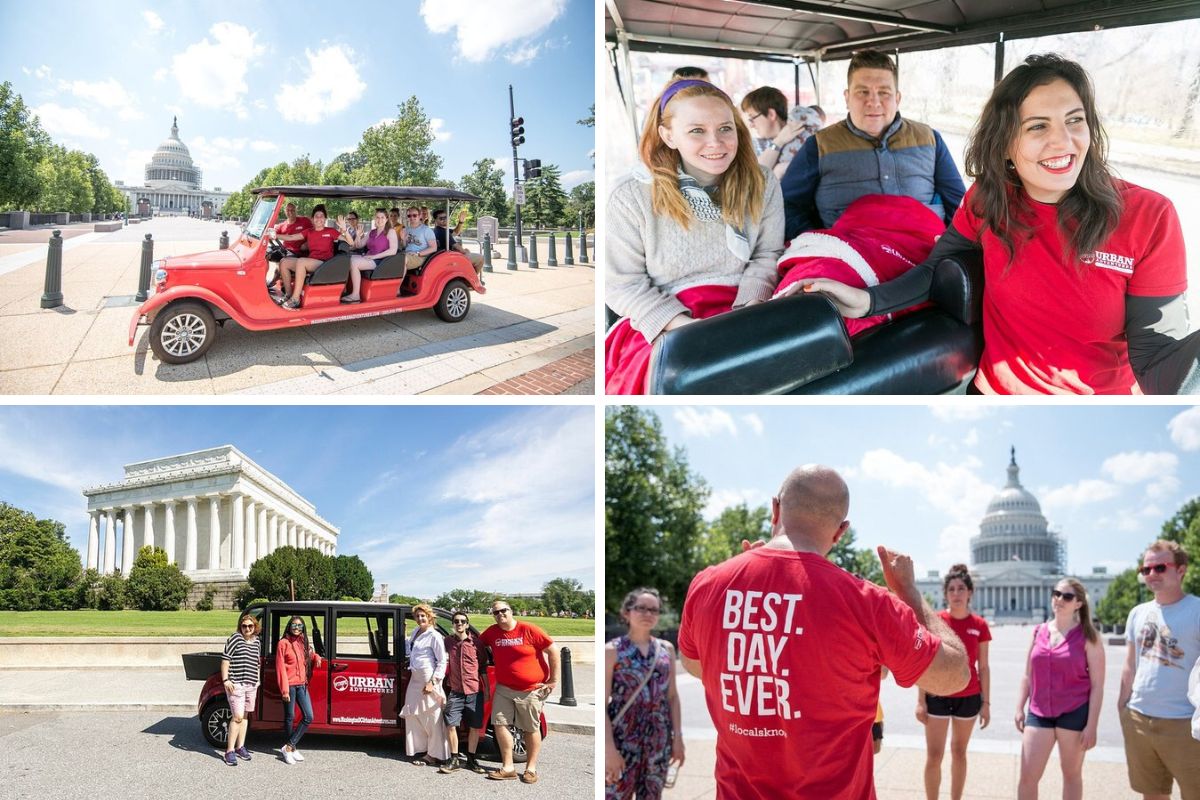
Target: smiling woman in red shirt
1084,274
321,243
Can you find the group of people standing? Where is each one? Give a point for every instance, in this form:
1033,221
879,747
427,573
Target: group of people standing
1084,273
448,686
790,650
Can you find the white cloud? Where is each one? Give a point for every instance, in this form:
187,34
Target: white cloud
569,180
26,451
217,154
721,499
154,21
705,422
954,489
1185,429
1084,492
972,438
109,94
260,146
436,124
60,121
133,167
212,73
960,412
331,85
483,29
1137,467
41,73
161,74
754,421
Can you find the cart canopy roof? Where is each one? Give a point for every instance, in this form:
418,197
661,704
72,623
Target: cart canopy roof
435,193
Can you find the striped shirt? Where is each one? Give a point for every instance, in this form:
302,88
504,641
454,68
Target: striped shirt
243,656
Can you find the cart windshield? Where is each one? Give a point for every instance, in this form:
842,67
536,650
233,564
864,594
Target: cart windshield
260,216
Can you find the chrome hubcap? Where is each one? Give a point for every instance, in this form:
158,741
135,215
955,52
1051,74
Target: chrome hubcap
184,334
456,301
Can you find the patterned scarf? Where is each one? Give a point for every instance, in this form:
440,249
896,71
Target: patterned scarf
707,211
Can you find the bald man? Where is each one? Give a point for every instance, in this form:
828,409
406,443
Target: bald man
789,648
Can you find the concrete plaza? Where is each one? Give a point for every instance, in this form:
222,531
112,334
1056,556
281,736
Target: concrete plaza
531,323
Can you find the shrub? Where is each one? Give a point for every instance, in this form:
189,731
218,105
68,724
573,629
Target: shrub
205,603
154,583
38,567
87,589
112,594
312,572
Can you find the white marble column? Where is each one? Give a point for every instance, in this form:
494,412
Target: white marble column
305,538
148,525
251,544
273,533
214,533
169,531
189,550
237,539
262,530
128,546
93,547
291,532
110,548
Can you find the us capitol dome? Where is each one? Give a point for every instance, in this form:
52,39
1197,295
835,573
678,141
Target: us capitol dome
173,184
1016,559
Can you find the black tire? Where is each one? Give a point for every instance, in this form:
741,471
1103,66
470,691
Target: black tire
489,748
182,332
455,301
214,721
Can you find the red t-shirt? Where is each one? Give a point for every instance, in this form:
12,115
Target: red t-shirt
972,630
286,228
790,646
1047,329
321,242
517,655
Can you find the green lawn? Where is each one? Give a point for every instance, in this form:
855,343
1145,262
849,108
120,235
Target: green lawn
192,623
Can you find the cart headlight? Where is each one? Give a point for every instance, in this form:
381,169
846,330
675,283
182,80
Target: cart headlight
160,274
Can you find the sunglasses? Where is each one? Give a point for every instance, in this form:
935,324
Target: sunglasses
646,609
1159,568
412,216
296,626
460,622
499,612
251,627
1068,596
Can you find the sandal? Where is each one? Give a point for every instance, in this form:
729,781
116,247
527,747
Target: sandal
349,299
501,775
292,304
528,776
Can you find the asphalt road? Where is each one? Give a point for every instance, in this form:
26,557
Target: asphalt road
146,754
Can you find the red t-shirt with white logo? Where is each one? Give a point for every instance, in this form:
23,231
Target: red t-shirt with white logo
321,242
518,655
1055,328
286,228
790,646
972,630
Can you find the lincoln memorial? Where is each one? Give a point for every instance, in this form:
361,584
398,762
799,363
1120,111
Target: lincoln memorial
214,512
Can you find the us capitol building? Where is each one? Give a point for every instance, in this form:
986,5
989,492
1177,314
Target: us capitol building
1016,560
173,184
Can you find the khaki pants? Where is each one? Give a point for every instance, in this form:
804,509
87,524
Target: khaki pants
1158,750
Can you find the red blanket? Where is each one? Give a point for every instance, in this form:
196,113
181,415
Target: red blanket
627,353
878,238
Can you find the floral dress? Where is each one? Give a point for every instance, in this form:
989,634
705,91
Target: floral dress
643,735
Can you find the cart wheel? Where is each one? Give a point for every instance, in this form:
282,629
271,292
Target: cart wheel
214,721
182,332
455,302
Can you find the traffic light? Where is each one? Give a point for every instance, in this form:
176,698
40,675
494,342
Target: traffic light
533,168
518,131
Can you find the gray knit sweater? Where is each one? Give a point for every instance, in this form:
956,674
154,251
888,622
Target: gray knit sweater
648,258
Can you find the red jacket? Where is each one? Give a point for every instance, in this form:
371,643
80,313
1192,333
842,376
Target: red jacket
291,668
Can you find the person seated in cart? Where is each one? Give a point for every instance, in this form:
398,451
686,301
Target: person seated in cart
441,232
321,243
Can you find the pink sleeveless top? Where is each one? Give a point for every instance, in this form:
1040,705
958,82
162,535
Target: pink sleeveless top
1058,677
377,242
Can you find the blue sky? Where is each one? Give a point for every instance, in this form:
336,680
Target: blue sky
432,498
254,83
921,477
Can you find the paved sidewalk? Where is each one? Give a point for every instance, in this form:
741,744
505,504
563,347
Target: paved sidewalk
899,775
158,689
528,319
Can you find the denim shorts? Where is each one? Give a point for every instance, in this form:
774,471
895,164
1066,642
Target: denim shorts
958,707
1075,720
468,707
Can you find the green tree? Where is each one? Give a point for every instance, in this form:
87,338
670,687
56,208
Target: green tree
545,200
399,152
22,146
582,200
38,567
1184,527
487,181
562,594
722,538
652,504
311,570
590,120
64,180
1122,595
861,562
154,583
405,599
352,578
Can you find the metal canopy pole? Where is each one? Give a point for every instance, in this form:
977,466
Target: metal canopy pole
999,58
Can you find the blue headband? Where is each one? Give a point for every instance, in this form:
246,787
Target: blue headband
684,84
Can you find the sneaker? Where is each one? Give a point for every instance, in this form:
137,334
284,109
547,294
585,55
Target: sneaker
296,755
475,766
231,759
243,753
451,764
289,756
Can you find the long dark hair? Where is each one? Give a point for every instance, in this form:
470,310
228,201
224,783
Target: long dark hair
1085,610
1089,212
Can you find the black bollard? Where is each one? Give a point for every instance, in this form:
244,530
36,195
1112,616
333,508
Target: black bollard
487,253
224,243
533,262
583,247
552,257
52,294
569,260
567,696
144,278
512,251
